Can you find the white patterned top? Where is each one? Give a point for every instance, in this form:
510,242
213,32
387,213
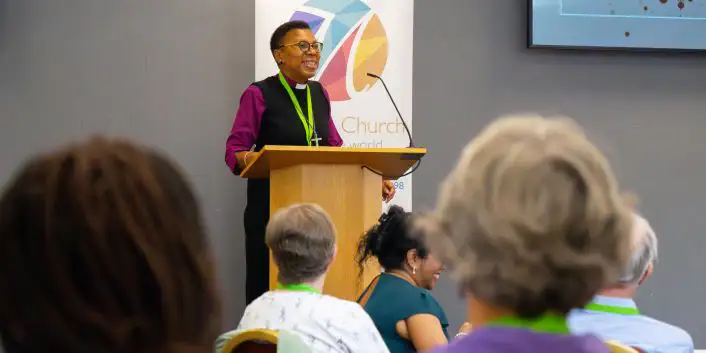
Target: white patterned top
327,324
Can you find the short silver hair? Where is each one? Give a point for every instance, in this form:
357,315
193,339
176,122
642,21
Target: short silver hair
302,239
645,254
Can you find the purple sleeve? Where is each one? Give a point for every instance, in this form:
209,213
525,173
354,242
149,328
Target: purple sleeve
246,125
334,138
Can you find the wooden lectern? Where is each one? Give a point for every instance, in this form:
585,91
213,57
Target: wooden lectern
340,180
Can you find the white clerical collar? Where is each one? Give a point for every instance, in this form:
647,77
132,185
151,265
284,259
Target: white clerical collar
300,86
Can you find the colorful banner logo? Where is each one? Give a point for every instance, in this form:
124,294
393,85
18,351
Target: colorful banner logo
355,43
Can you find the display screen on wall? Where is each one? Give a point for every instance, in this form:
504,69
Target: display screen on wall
624,24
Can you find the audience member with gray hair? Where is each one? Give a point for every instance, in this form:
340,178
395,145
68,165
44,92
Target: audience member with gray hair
531,222
302,240
613,314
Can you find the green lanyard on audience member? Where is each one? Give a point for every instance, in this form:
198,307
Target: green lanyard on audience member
547,323
298,288
612,309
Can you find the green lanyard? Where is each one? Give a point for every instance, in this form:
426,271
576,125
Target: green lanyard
297,288
308,128
546,323
612,309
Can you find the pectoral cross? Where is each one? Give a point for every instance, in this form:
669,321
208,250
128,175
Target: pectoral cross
316,141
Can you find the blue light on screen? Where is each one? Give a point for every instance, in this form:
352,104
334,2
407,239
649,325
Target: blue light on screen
636,24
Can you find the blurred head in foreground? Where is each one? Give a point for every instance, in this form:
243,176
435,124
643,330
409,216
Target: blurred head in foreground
530,220
102,249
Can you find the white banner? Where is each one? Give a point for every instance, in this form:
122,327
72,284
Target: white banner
359,37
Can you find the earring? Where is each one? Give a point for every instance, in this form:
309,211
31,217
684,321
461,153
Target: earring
414,270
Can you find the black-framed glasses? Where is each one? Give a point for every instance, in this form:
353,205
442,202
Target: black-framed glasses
306,46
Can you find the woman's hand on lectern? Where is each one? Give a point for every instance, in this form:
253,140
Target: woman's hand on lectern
244,158
388,190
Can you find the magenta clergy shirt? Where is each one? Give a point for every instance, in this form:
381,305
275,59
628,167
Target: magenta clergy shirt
246,124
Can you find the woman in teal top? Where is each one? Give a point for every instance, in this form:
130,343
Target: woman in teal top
399,302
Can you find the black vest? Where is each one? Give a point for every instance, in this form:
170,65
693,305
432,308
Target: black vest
281,125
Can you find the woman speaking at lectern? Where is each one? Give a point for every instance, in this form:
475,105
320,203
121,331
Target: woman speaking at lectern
284,109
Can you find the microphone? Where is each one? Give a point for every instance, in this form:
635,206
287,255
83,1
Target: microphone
406,128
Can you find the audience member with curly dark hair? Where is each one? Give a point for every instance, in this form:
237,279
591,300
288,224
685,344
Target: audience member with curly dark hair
399,301
103,250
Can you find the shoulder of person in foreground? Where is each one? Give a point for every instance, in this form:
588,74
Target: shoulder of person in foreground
679,340
423,302
410,300
352,327
223,339
249,320
421,320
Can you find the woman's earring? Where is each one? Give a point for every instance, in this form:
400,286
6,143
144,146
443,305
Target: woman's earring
414,270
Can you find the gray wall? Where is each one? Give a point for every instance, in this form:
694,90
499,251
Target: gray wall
169,73
164,72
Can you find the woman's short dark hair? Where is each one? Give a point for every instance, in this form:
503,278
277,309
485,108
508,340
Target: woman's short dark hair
390,240
103,250
282,30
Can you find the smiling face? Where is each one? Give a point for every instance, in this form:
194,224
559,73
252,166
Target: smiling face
430,271
298,64
426,271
